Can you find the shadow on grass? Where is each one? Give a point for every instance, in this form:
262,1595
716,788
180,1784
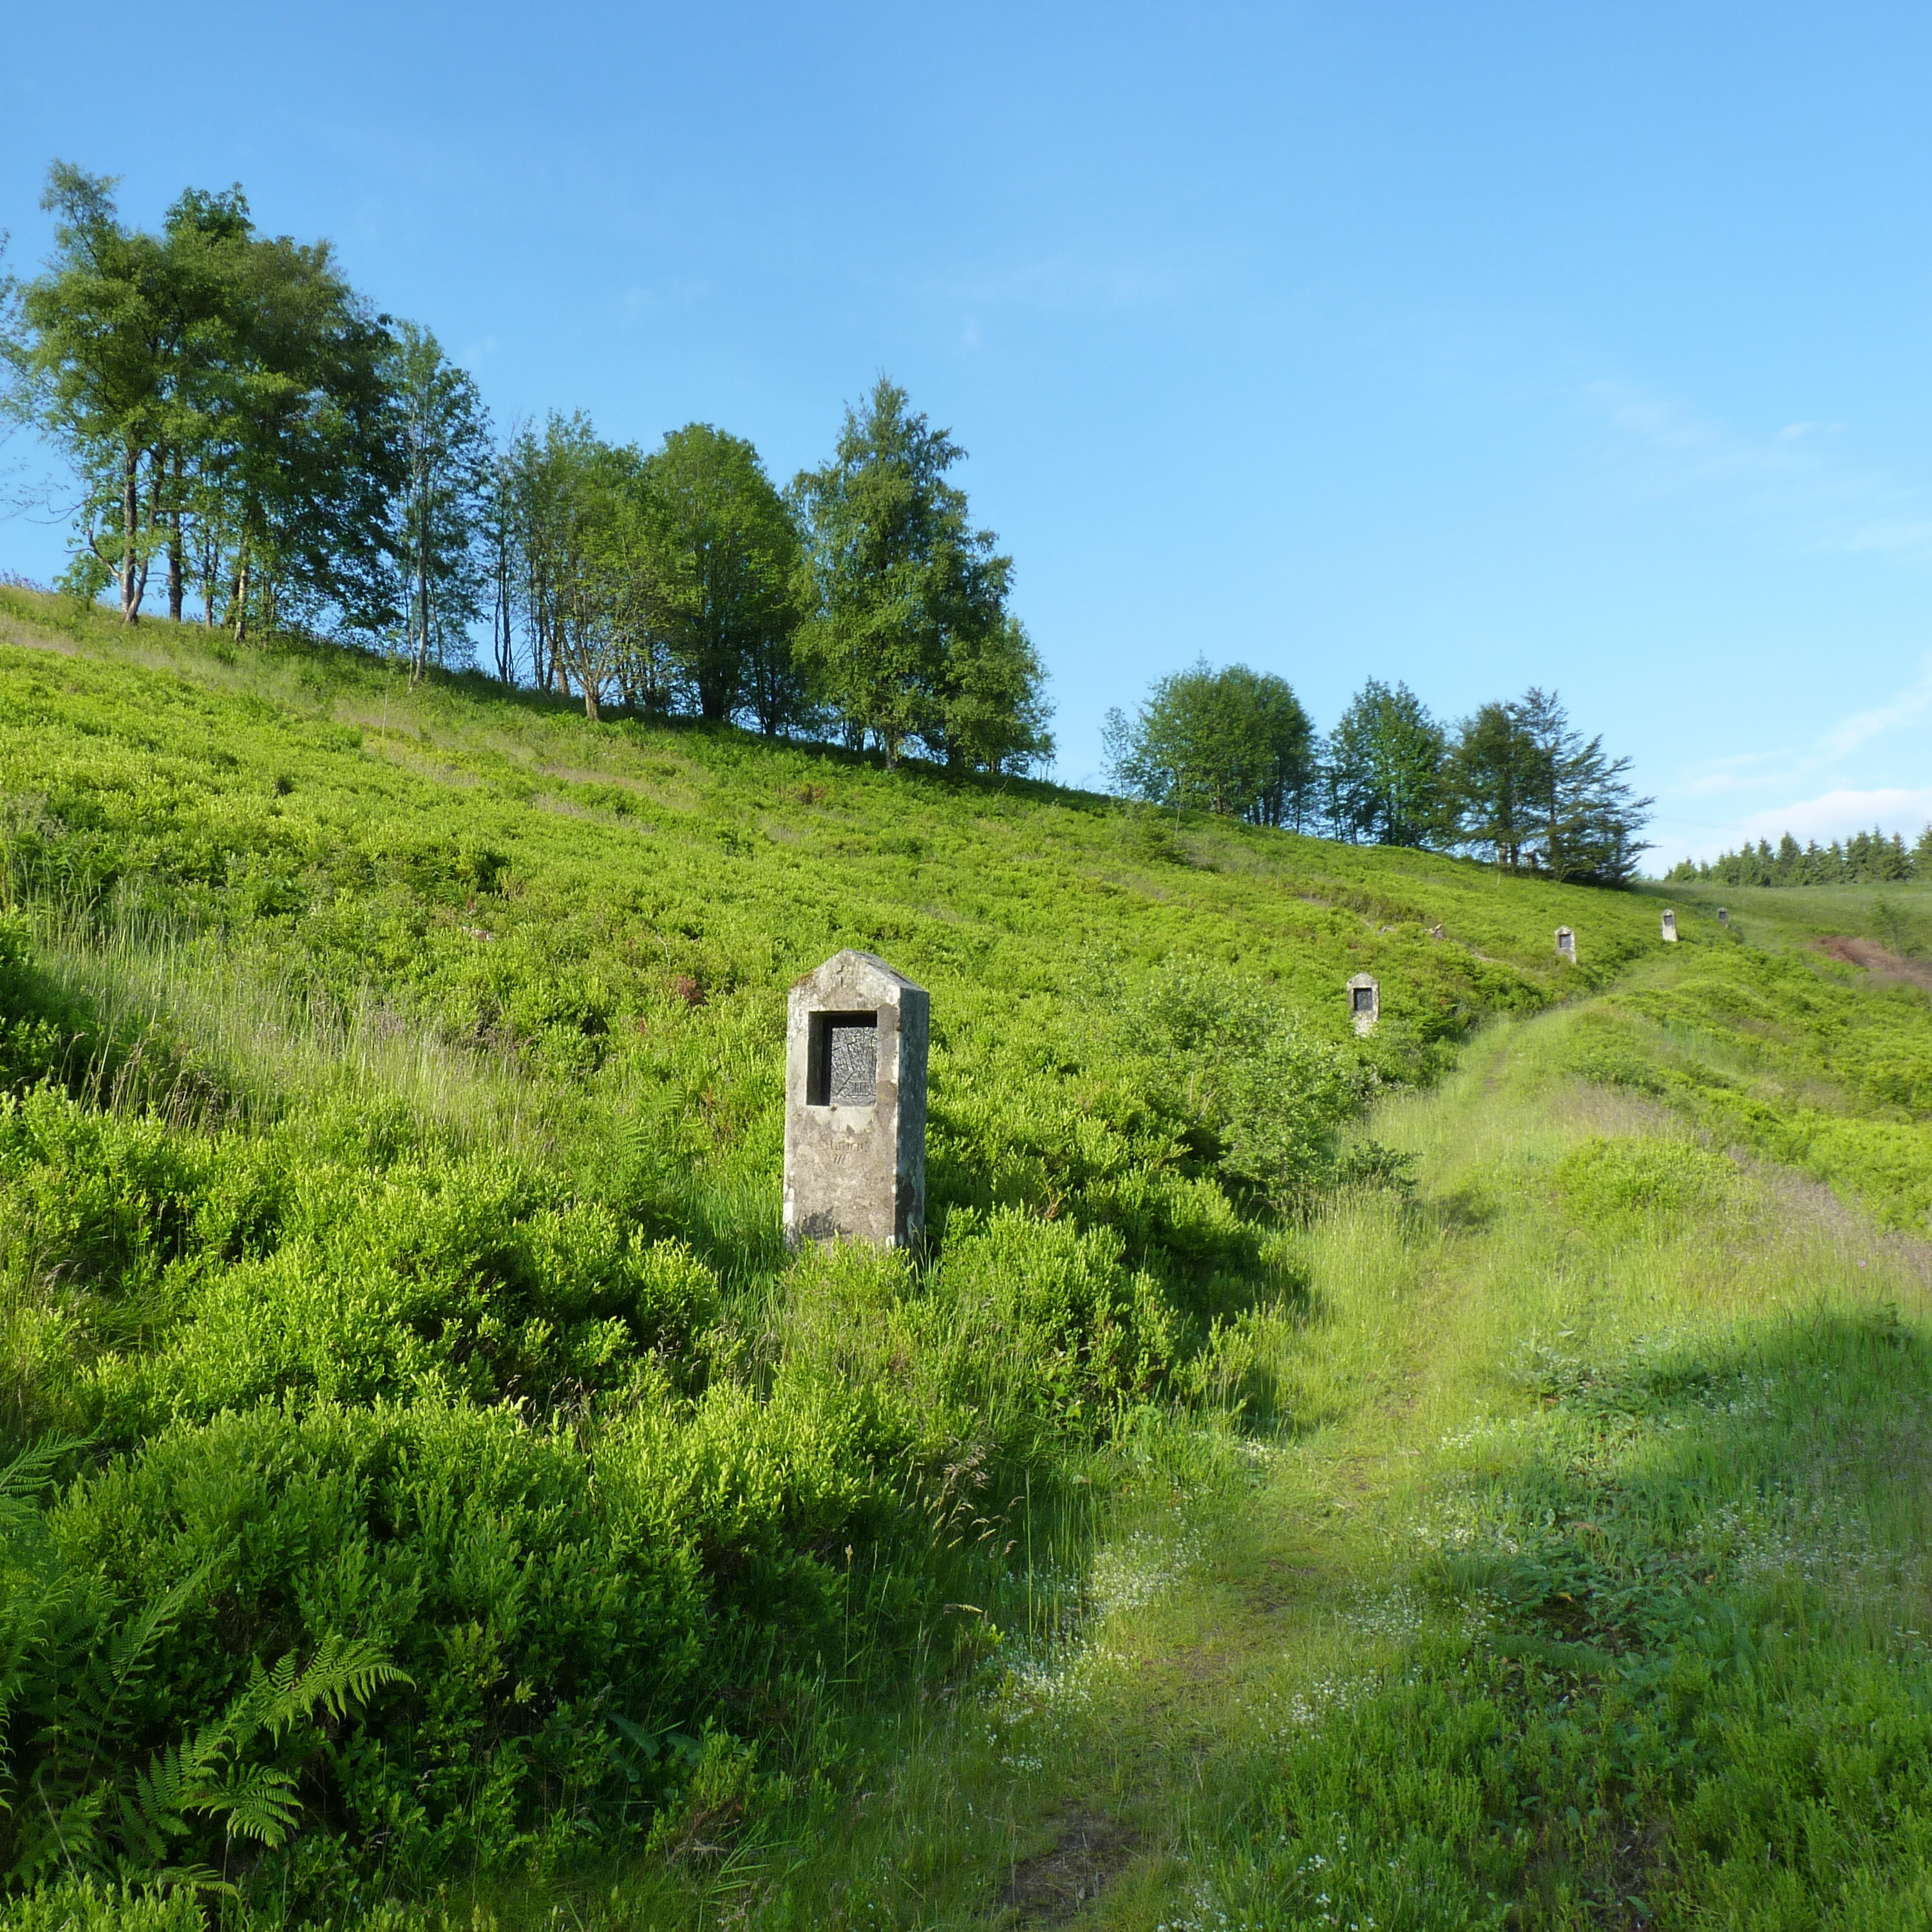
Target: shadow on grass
1678,1667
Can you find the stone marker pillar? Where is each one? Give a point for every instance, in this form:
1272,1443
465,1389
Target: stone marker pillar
856,1036
1365,1002
1566,944
1724,917
1669,927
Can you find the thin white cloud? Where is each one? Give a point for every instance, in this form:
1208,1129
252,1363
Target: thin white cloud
1059,283
1790,767
670,292
1902,708
1789,481
1715,785
1838,814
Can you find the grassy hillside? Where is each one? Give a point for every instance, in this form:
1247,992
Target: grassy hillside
439,1491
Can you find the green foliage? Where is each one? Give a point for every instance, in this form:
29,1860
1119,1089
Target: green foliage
1382,771
724,563
1521,786
224,399
1620,1181
1787,1054
81,1905
1231,741
455,1473
445,458
909,634
1865,858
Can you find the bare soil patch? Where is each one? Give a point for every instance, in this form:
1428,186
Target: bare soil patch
1053,1887
1876,960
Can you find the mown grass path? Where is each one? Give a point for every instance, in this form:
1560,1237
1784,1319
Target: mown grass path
1567,1571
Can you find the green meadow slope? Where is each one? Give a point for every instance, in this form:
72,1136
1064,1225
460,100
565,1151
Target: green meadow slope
438,1492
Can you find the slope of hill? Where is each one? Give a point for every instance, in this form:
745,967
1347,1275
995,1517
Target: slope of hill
433,1472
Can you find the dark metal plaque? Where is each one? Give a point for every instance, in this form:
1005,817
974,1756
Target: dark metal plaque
852,1062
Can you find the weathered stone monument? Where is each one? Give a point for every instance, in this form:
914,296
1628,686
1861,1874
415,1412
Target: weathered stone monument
856,1039
1669,927
1724,917
1365,1002
1436,932
1566,944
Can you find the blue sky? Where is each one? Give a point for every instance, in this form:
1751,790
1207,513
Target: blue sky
1474,347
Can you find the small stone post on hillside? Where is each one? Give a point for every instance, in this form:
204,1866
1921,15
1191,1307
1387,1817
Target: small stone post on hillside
1365,1002
1669,927
1724,917
1566,945
856,1036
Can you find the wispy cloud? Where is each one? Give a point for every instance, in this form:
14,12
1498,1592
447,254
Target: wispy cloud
1068,282
1791,481
670,292
1837,814
1901,708
1820,779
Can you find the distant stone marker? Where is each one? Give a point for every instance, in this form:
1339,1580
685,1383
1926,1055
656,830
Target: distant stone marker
1566,944
856,1039
1724,917
1669,927
1365,1002
1436,932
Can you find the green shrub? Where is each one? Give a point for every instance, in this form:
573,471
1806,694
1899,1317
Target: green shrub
81,1905
391,1117
1625,1178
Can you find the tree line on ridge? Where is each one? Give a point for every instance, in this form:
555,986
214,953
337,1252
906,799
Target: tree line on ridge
249,436
1872,857
1515,783
248,433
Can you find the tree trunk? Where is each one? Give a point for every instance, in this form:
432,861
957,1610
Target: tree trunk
420,663
177,583
158,470
130,534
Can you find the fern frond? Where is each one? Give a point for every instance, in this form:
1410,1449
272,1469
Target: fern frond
103,1691
260,1803
192,1878
340,1673
26,1475
162,1792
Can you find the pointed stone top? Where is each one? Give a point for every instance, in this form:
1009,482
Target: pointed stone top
1363,980
852,970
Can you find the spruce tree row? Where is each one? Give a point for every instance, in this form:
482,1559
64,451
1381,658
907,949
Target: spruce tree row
1873,857
1515,784
245,426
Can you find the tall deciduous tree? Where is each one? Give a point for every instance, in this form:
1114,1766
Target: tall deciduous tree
1383,770
993,712
905,595
312,455
99,358
446,463
13,404
1234,741
580,552
723,559
223,397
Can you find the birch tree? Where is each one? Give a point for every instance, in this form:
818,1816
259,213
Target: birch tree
445,463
